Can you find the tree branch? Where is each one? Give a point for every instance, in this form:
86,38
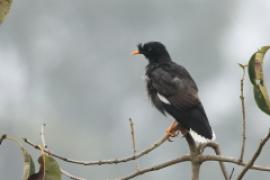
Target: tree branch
204,158
3,137
42,135
242,98
132,136
200,158
216,148
71,176
157,167
132,131
194,157
255,156
230,177
103,162
194,152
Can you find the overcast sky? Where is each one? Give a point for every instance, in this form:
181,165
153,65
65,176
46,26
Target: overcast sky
69,64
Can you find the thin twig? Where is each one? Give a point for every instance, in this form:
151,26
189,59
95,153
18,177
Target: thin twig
221,164
3,137
133,141
203,158
230,177
132,136
200,158
158,167
42,135
216,148
242,98
103,162
71,176
255,156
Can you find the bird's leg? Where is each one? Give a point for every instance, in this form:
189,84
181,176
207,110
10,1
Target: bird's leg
174,128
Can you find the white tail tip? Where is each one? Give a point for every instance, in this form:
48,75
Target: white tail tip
200,139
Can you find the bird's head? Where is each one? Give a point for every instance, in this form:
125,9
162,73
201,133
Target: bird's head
155,52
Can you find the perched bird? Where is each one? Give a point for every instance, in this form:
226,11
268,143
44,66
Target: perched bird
173,91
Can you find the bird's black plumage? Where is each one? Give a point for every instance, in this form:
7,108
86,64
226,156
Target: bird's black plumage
173,91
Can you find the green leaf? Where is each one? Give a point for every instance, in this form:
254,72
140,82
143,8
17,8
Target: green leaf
251,70
28,166
48,170
260,93
255,70
52,169
4,9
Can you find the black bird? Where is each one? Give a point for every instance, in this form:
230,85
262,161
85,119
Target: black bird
174,92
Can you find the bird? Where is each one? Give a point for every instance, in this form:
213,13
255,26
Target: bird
173,92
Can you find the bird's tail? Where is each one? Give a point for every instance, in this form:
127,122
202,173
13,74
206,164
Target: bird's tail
198,125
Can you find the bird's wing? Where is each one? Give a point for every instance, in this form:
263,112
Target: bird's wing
176,86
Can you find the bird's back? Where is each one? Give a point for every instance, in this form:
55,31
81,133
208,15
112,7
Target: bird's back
173,91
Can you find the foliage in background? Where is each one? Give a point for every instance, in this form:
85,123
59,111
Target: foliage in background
48,167
4,9
255,69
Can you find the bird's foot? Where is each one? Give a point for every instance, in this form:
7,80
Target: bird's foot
171,134
172,131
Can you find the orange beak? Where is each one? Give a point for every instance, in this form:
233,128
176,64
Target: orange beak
135,52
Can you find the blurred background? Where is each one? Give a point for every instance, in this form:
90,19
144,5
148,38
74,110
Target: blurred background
68,64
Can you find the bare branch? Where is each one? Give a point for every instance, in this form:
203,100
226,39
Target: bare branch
132,136
230,177
3,137
42,135
196,156
221,164
242,98
194,152
203,158
103,162
71,176
255,156
216,148
158,167
133,141
200,158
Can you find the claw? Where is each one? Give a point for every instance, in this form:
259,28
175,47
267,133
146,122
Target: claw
172,131
169,139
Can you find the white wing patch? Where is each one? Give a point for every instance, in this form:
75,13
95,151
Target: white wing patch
146,78
200,139
163,99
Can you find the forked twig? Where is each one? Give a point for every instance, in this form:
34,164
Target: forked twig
45,147
228,159
255,156
216,148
